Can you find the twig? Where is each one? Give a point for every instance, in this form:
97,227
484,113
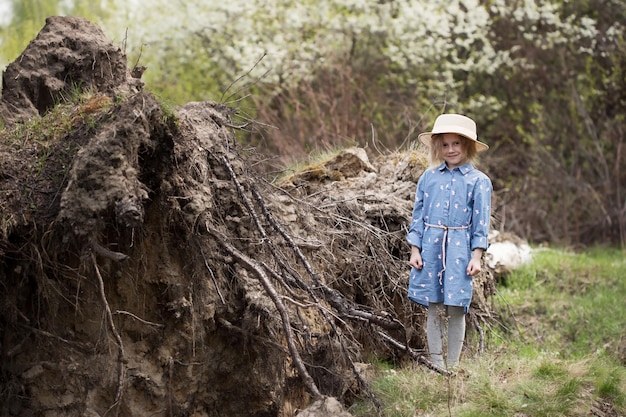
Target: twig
286,286
242,76
386,323
121,359
140,52
412,353
138,318
481,333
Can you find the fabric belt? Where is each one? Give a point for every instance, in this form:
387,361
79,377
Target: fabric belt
444,243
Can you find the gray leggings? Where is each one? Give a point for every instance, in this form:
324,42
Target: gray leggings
435,333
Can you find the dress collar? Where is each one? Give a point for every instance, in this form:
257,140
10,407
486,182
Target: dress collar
465,168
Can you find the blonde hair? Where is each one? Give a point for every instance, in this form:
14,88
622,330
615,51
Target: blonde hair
436,149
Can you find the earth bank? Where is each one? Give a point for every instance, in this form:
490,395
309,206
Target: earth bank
147,268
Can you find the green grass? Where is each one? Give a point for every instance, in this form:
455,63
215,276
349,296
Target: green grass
579,297
558,349
74,108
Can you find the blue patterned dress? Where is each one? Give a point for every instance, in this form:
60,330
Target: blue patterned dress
450,219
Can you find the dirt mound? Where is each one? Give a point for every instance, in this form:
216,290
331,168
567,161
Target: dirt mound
68,54
148,269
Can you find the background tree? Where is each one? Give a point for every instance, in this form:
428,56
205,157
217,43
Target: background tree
557,133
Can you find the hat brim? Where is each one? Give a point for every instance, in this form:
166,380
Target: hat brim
426,139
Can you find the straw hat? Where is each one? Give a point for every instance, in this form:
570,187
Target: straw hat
454,123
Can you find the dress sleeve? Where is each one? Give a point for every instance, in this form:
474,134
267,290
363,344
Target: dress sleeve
416,229
481,216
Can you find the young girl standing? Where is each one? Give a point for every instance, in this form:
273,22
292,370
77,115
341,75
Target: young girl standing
448,233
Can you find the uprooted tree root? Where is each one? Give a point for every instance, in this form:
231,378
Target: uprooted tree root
147,268
199,268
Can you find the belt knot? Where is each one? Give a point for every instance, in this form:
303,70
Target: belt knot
444,243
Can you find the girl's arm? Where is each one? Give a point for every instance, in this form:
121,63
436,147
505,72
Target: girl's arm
481,214
416,228
481,219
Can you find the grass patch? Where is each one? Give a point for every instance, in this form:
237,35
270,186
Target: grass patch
559,350
59,121
313,168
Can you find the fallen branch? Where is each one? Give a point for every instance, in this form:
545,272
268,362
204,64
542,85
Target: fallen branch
384,322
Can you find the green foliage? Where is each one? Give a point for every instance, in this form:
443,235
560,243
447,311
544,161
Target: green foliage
554,136
609,382
169,113
581,294
515,385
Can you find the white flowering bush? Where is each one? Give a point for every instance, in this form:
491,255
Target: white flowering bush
431,42
295,38
433,48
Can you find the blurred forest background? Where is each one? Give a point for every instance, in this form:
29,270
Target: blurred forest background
545,81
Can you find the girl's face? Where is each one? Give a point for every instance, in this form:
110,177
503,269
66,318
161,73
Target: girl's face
453,149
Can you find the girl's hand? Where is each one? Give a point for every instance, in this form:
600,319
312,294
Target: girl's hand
416,258
474,266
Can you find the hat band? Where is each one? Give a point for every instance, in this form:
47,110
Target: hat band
455,129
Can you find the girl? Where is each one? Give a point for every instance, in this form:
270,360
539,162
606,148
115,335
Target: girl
448,232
